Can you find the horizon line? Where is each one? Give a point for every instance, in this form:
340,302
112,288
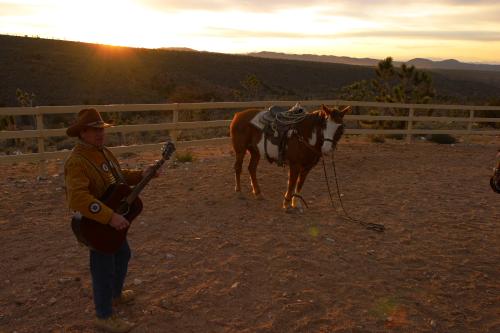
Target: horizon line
188,49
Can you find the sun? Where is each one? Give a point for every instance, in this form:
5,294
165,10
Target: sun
112,22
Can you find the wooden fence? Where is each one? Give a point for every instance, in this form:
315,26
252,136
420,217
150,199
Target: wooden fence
175,126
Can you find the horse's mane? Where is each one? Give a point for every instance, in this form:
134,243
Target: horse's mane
317,118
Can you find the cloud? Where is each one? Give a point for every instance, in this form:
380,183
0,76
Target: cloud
257,6
353,7
15,9
493,36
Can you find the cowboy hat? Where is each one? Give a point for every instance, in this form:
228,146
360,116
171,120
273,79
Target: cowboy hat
86,118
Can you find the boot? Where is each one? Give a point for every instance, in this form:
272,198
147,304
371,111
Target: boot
113,324
126,297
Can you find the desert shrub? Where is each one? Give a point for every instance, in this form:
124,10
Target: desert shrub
128,155
442,139
184,157
377,138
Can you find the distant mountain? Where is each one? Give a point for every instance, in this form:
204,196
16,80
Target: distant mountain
177,49
417,62
316,58
451,64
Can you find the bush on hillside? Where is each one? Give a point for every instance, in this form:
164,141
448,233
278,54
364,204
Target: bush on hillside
442,139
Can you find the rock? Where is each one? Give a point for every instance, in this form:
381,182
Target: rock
170,256
137,282
235,285
166,304
65,280
433,323
86,293
20,182
19,301
52,301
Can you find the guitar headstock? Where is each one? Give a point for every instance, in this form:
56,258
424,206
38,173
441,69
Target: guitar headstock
167,150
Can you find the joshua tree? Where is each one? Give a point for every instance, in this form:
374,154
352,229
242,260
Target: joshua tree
393,85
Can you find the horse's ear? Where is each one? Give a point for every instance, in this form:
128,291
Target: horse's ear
345,110
325,109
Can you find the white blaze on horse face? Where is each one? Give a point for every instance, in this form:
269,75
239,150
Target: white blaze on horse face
328,133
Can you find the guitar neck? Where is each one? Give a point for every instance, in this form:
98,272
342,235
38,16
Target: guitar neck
142,184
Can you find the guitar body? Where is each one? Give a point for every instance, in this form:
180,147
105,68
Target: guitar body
102,237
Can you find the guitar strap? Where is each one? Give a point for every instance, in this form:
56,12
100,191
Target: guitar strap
115,169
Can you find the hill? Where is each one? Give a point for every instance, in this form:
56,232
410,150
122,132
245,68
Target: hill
417,62
67,73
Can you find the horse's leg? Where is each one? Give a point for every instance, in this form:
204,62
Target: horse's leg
300,183
252,169
293,174
237,170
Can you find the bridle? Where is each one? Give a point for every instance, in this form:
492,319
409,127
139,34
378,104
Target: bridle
336,136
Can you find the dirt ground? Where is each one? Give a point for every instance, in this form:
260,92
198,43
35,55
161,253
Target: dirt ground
206,261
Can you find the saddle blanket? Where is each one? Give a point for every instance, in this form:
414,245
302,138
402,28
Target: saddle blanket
256,121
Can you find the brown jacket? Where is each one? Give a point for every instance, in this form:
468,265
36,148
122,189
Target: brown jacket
88,174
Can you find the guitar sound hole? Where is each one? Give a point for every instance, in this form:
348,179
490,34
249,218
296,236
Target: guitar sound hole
123,209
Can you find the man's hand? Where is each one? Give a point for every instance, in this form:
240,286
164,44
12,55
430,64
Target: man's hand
118,222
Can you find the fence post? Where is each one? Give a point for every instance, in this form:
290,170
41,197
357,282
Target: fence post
469,126
409,135
41,145
175,119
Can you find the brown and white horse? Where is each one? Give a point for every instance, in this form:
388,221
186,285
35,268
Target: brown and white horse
315,135
495,179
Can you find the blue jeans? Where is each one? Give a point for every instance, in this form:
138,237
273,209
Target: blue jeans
108,274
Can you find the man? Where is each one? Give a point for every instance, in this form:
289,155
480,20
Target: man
89,171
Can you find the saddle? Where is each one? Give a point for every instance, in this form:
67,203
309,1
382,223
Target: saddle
278,125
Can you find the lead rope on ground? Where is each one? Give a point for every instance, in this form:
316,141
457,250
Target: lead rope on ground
370,226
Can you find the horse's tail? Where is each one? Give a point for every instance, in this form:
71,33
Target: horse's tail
238,130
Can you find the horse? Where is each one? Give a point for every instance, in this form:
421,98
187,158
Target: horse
495,179
307,140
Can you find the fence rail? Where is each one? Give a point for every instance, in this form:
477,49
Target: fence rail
175,126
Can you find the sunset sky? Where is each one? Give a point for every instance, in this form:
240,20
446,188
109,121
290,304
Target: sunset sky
466,30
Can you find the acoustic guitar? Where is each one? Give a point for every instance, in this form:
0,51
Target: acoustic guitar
124,200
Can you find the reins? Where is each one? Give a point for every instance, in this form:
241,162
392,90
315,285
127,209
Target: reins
370,226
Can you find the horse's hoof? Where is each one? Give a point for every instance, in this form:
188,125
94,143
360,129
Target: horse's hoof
291,210
299,209
240,196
